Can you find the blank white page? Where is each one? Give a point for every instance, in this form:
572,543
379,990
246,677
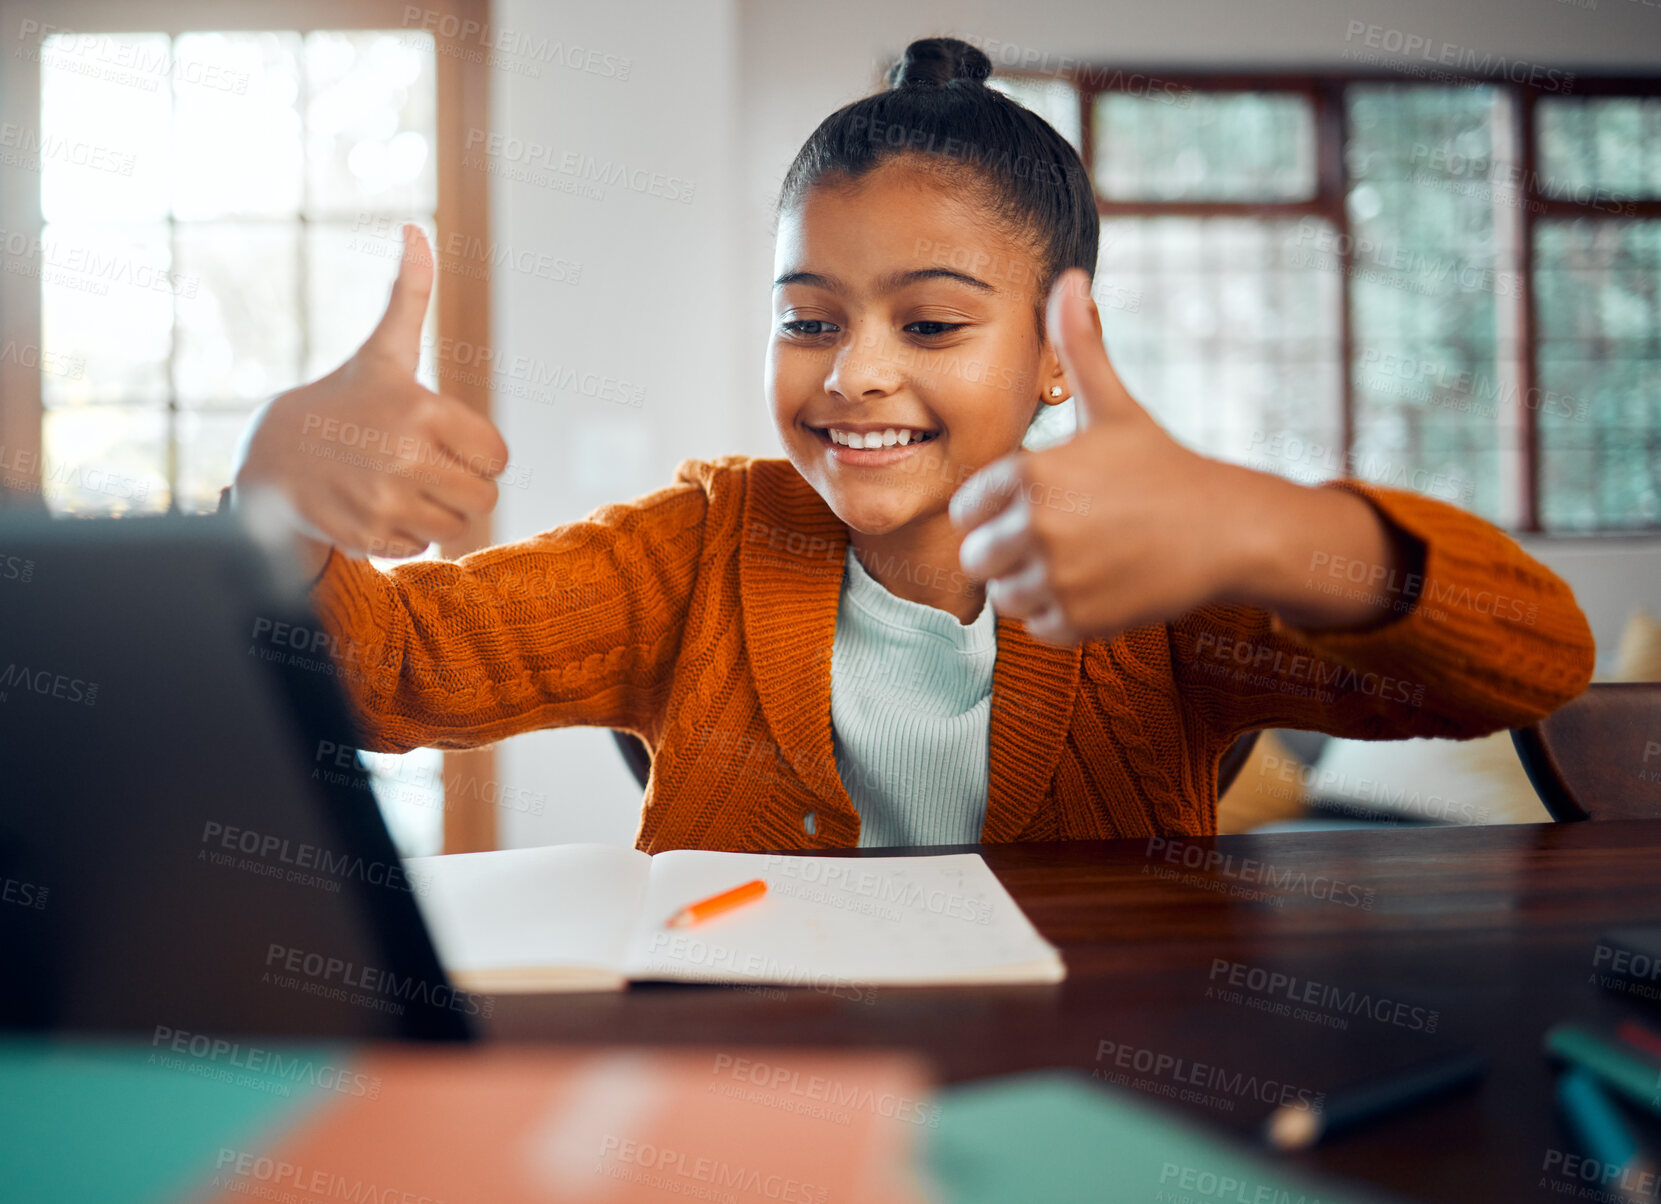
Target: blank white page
555,906
828,920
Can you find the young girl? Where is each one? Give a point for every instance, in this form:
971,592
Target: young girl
809,646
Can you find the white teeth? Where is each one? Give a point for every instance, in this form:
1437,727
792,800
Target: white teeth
893,435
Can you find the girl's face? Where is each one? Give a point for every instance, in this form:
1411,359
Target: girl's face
905,353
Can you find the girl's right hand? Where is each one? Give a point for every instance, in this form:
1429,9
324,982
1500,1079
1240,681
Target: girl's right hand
365,458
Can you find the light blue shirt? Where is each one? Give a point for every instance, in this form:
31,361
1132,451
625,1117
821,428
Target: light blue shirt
911,711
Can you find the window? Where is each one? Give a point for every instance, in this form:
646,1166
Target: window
197,219
217,252
1597,275
1450,287
234,240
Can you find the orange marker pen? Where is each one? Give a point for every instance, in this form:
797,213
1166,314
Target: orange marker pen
692,913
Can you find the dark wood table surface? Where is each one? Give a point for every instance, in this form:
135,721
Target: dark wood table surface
1491,929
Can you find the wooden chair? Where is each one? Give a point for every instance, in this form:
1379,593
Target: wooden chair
1234,760
635,755
639,759
1599,756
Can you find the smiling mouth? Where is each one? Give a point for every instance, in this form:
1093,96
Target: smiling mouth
892,436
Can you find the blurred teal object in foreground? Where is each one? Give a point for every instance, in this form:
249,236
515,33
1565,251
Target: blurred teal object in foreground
126,1124
1055,1137
132,1124
1595,1121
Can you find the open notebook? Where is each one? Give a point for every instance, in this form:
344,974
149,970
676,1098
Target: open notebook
588,917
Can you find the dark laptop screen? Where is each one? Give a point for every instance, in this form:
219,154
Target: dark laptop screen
186,842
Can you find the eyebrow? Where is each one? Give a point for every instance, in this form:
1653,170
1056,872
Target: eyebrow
887,284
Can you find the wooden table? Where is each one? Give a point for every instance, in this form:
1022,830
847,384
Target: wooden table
1492,929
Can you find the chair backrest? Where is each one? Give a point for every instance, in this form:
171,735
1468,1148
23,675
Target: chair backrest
1598,756
1234,760
635,755
639,760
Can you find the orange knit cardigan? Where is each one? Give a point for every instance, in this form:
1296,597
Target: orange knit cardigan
701,618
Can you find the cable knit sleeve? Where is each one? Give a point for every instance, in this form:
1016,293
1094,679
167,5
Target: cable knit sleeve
1483,637
578,625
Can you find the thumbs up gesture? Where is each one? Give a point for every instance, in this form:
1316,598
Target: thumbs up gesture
1118,527
365,458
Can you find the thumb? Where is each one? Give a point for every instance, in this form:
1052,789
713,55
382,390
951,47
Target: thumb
1076,334
399,334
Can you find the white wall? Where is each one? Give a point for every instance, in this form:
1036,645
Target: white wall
1610,578
655,307
674,296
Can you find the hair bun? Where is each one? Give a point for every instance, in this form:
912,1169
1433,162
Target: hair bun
937,61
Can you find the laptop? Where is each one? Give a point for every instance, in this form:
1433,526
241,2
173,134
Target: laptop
188,844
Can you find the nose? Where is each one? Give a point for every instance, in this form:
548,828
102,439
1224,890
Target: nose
864,368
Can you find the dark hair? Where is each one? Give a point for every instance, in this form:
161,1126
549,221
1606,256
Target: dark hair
940,109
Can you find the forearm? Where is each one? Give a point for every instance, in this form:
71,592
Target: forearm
310,555
1321,558
429,655
578,625
1483,635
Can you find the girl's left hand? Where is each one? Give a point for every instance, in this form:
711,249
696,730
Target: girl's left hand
1118,527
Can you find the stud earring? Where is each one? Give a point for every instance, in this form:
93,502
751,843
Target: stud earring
1055,392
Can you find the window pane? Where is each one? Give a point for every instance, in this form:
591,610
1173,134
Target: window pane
370,122
1229,342
1600,373
104,460
176,305
1055,100
1214,146
207,443
236,131
239,326
105,102
349,278
1433,279
1591,143
107,303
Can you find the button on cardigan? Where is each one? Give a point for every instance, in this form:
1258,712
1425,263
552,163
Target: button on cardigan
701,617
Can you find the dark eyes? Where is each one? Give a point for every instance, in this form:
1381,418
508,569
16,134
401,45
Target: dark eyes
809,328
935,328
